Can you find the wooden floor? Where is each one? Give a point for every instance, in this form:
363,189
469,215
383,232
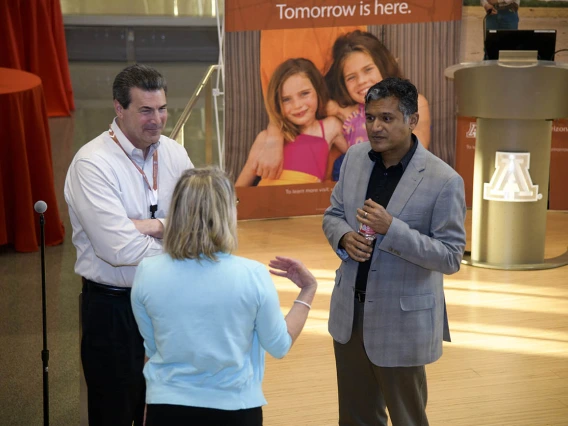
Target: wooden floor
507,363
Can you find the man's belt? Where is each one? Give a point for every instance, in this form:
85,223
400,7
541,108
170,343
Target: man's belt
109,290
510,6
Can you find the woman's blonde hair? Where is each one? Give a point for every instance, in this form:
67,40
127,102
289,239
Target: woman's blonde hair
202,219
273,101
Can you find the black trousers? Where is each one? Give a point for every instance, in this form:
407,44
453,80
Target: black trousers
365,390
180,415
112,353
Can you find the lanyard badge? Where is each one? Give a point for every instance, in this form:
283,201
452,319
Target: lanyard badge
153,210
154,188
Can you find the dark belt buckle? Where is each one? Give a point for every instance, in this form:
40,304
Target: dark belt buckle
509,6
109,290
360,296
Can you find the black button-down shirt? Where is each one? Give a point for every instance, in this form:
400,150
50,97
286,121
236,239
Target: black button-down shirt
382,184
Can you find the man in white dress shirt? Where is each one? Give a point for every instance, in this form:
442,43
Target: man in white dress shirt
118,189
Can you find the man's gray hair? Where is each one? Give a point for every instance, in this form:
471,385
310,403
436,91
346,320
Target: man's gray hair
399,88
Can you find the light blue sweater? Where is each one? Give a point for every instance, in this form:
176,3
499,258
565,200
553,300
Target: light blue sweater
204,327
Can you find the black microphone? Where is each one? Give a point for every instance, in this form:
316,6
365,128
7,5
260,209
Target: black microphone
40,207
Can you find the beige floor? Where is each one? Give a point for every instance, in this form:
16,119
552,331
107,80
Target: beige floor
507,363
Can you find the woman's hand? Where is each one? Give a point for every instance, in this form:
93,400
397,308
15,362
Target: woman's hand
294,270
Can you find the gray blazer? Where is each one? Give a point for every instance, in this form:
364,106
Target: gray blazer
405,311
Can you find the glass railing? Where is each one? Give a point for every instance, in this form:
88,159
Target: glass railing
197,8
200,127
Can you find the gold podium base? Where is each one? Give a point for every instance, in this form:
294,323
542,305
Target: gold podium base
555,262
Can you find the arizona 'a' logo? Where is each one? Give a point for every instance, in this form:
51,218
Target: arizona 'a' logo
472,131
511,180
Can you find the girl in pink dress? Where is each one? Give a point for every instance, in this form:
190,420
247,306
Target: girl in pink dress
296,100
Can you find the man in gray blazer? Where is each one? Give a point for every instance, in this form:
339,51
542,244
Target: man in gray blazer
388,313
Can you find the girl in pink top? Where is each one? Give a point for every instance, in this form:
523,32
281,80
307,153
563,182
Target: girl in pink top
360,61
296,100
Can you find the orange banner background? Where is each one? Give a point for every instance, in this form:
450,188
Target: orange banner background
558,195
248,15
283,201
465,156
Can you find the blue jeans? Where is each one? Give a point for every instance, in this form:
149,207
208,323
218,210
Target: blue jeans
506,19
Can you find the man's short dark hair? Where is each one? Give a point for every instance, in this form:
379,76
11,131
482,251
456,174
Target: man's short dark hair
399,88
137,75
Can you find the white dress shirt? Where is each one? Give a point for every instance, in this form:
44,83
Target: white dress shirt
104,191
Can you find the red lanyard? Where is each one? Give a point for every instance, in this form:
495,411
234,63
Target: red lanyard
154,163
154,188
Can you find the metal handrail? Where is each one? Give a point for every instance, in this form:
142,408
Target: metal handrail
192,101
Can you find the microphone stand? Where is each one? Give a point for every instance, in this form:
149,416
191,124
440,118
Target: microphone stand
44,352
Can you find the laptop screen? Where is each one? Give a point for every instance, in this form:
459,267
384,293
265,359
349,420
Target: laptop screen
543,41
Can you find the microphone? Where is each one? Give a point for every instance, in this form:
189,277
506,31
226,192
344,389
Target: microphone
40,207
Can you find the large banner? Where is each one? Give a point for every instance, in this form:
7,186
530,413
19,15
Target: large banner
296,75
248,15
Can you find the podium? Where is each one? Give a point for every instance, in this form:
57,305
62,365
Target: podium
514,100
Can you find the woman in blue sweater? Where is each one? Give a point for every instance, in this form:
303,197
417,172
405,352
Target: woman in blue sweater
207,317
